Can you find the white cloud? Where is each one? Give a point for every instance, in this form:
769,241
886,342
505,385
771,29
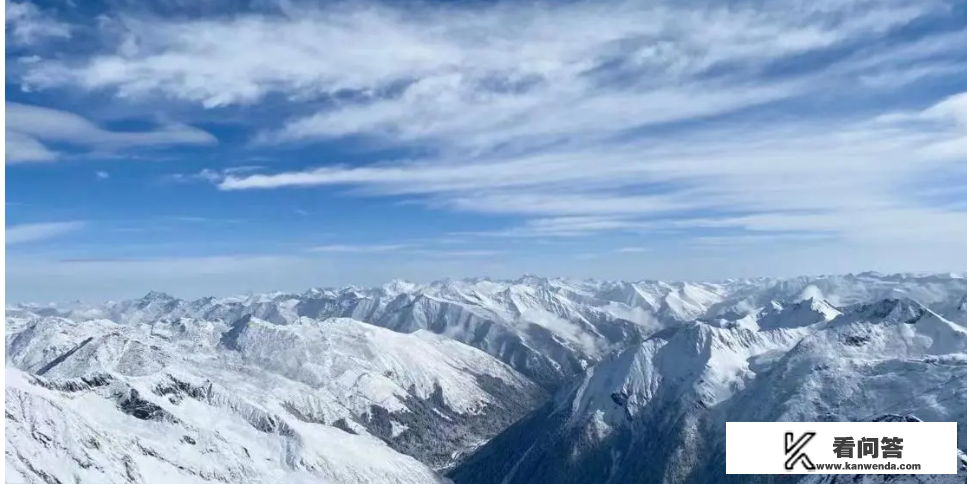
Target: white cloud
761,238
21,148
410,250
362,248
954,108
542,115
854,178
473,77
242,169
28,126
212,175
892,79
206,174
456,253
477,78
19,234
565,226
26,24
102,175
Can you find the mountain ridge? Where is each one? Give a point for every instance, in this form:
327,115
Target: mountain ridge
567,379
668,397
549,329
401,285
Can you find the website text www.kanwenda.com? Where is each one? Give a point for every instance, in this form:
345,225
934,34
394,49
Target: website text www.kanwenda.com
867,467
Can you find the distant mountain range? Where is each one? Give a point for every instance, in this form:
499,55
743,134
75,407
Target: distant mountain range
478,381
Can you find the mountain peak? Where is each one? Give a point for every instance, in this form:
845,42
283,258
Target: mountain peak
531,280
810,292
398,286
800,314
157,296
822,306
892,310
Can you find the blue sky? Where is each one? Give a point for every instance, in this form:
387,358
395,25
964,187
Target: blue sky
224,147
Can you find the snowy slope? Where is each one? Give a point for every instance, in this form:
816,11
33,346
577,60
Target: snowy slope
547,329
656,412
109,429
939,292
423,394
427,395
958,478
433,371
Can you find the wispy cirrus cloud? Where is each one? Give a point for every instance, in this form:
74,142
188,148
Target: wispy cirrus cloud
22,148
20,234
27,24
27,127
456,253
204,175
356,249
211,175
480,76
632,250
563,226
412,249
846,177
583,117
561,113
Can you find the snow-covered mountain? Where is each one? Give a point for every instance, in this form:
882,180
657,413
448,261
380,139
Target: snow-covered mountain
114,430
424,395
547,329
657,411
404,382
895,479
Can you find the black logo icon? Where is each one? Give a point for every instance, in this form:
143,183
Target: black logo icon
794,451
